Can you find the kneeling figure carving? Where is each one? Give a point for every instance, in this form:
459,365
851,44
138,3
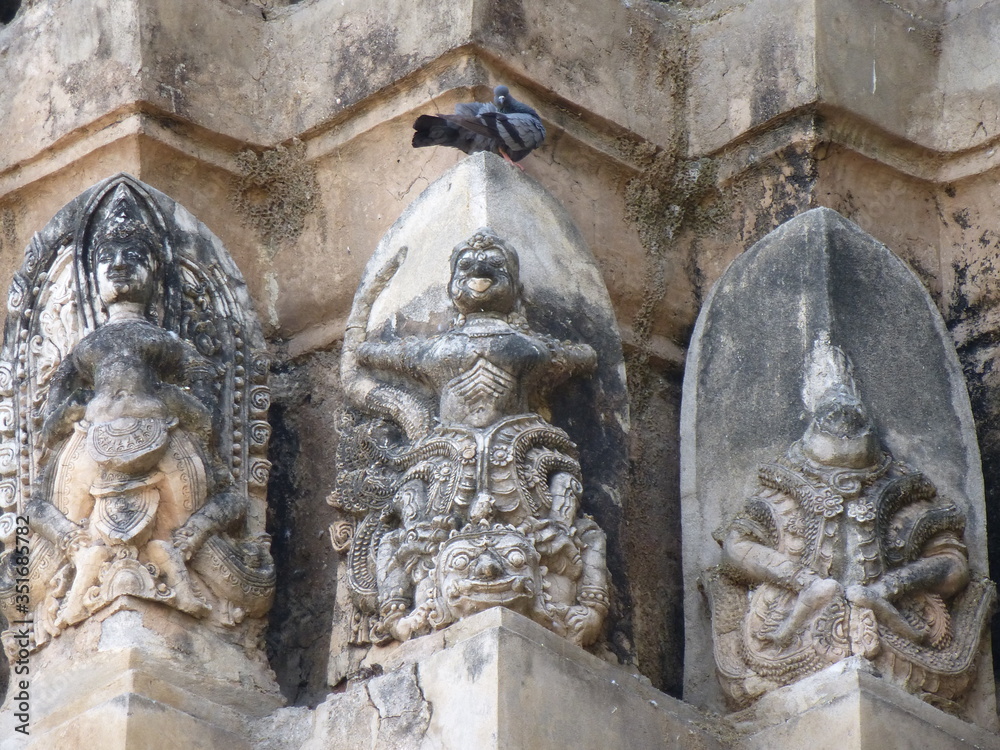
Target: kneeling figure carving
843,551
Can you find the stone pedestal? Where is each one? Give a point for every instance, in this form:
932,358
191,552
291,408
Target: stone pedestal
498,680
848,707
142,677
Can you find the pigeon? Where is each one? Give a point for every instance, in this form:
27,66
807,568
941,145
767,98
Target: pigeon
504,126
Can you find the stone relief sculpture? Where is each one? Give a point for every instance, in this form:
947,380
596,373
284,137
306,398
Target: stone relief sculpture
844,551
469,501
134,404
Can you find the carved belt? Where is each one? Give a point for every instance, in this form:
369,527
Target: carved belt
129,444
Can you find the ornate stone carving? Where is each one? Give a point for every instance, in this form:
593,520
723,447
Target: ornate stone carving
136,374
843,551
463,496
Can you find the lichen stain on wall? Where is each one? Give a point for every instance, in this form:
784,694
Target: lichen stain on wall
274,192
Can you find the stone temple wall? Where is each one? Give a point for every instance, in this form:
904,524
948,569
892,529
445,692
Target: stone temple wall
679,133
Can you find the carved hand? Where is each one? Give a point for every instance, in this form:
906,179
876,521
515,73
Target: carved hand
584,623
565,491
190,537
76,540
874,598
403,628
71,410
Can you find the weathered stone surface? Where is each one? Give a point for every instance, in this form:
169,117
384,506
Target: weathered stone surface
498,680
473,501
202,64
818,276
147,656
847,706
916,72
404,715
614,83
347,721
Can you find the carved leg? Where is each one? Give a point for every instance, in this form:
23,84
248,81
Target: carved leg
395,589
88,562
811,600
586,618
885,612
170,560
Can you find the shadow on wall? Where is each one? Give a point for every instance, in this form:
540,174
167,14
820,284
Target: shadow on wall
9,9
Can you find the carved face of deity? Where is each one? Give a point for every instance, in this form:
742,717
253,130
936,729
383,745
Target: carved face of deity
840,433
484,279
125,272
495,567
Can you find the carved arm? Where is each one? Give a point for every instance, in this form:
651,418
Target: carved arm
67,402
361,389
48,521
942,569
762,563
222,511
406,356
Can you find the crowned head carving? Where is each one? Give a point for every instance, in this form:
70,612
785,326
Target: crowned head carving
123,260
839,432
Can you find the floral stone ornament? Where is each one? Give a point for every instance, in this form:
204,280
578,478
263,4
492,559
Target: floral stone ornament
460,495
134,398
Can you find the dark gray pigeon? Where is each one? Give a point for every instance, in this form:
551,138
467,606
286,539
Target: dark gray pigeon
505,126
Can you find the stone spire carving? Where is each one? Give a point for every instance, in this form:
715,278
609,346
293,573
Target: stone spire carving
842,551
133,395
464,496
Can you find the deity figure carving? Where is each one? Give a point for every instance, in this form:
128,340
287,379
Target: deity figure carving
463,496
134,393
844,551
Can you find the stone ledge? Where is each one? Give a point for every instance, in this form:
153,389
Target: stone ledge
849,707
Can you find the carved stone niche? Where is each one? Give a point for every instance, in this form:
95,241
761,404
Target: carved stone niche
133,435
828,445
487,420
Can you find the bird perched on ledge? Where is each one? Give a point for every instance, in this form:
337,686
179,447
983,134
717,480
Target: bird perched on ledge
504,126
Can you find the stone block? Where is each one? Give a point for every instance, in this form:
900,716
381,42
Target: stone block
752,64
497,680
128,670
848,707
130,721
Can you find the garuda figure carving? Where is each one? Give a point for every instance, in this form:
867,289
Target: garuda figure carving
843,551
134,402
472,502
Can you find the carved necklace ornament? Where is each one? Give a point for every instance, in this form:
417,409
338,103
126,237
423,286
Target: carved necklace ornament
843,552
473,504
134,386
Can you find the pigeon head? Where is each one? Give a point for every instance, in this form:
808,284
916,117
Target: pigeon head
501,97
484,275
